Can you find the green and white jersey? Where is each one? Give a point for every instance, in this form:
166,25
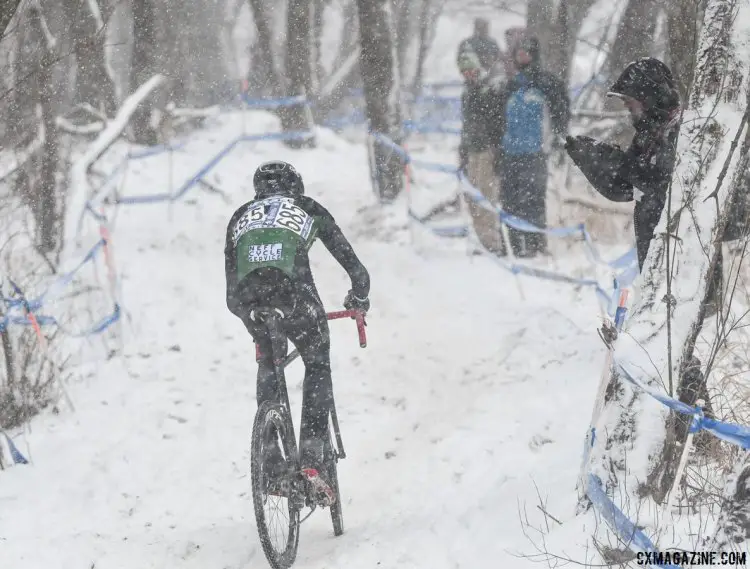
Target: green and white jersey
270,234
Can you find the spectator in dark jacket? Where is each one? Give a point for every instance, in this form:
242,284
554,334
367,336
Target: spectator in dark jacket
476,149
532,101
642,172
481,44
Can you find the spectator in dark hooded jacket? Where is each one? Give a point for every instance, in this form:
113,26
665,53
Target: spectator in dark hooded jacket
476,149
482,44
642,172
532,101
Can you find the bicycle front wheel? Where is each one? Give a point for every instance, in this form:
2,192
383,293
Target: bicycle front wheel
276,498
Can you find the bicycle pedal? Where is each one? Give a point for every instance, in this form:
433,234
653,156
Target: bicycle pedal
322,492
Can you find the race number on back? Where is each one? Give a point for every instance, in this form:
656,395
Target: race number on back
274,213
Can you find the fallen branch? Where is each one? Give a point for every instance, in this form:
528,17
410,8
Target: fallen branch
80,189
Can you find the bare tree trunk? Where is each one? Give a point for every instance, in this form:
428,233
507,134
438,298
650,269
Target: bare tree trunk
349,34
317,37
557,31
143,66
299,69
35,109
635,35
540,18
402,10
379,65
562,43
93,84
7,9
345,73
196,60
10,370
273,83
683,19
48,215
428,16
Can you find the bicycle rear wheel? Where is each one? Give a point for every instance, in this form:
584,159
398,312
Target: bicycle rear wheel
331,476
278,523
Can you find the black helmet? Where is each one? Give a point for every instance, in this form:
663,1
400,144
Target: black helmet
277,178
650,82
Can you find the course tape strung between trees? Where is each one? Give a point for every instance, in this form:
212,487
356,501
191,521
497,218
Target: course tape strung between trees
627,264
21,311
628,532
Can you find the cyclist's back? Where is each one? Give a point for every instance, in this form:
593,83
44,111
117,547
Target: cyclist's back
266,256
267,264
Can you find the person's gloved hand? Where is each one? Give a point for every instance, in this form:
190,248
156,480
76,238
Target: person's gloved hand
352,302
572,142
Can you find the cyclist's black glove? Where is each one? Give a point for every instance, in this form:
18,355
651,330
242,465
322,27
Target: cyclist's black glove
352,302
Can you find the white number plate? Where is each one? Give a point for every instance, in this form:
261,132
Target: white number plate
274,213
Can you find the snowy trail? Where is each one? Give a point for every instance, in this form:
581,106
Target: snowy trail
465,399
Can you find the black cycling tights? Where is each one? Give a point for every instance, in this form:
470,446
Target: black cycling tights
307,328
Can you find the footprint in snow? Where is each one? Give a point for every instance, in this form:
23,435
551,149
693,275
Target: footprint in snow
538,441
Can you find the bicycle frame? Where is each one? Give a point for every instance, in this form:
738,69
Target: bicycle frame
277,343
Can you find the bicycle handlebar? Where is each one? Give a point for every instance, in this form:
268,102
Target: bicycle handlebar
356,315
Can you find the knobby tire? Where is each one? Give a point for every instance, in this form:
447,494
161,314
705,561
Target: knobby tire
272,413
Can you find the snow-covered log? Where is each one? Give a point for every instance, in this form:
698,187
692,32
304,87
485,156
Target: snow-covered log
637,439
80,190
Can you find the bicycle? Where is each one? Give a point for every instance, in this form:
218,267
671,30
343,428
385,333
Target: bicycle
292,485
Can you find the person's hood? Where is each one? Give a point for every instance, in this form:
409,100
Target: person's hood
649,81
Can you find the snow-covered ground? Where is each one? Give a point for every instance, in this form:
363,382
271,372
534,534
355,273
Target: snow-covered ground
466,403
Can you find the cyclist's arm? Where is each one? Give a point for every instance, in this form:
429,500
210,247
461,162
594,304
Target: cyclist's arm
338,245
230,268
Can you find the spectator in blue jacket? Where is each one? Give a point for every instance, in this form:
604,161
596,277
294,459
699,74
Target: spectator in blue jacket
532,102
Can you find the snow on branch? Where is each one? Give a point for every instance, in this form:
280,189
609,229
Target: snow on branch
80,190
340,74
80,129
96,13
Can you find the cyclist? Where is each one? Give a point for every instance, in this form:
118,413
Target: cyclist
266,264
